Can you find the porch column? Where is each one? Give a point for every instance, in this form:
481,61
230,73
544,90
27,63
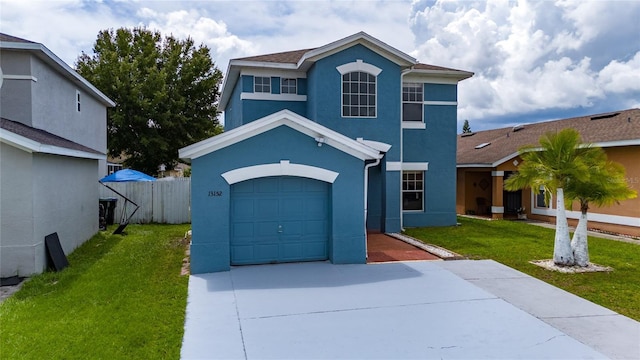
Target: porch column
497,187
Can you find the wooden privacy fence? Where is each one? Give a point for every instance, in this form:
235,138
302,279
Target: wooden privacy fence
160,201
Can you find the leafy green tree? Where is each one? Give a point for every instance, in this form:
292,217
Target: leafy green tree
604,184
553,165
466,128
165,90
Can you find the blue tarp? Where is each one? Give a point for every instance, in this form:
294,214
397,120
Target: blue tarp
127,175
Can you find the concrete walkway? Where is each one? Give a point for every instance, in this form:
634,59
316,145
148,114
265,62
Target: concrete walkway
426,309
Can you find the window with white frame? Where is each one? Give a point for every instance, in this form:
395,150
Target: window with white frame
262,84
289,86
412,102
358,94
412,190
77,100
540,198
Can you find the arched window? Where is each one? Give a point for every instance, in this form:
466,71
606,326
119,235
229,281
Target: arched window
359,89
358,94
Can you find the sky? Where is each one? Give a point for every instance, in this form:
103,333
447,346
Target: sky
533,60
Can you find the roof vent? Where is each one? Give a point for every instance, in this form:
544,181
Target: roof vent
605,116
467,134
518,127
483,145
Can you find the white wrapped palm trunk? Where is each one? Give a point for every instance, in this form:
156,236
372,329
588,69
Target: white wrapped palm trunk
562,252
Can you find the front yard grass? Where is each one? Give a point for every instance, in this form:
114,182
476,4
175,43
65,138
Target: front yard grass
515,244
122,297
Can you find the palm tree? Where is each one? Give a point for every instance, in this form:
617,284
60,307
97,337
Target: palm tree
604,184
551,166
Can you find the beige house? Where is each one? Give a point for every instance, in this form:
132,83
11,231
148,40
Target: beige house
486,158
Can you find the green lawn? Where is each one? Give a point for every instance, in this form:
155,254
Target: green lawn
122,297
515,244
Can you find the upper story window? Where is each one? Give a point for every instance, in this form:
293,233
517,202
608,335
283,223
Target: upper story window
358,94
78,100
412,101
262,84
289,86
412,190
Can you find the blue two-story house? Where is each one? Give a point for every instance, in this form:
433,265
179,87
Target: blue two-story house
320,146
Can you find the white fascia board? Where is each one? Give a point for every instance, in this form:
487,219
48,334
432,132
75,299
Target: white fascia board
283,117
228,82
272,97
377,145
263,64
605,144
630,142
53,60
440,76
273,72
362,38
32,146
505,159
474,165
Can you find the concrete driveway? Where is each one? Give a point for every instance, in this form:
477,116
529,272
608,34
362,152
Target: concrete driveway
426,309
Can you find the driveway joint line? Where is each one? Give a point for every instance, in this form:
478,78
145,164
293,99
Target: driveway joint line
235,302
368,308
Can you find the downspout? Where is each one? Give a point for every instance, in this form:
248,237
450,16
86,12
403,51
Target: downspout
366,199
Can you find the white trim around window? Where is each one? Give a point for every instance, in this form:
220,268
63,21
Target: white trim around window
408,166
78,101
413,191
359,65
274,97
20,77
413,125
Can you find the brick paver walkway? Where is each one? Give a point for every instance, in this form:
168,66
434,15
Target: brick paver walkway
383,248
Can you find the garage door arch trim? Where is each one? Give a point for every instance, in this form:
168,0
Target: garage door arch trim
283,168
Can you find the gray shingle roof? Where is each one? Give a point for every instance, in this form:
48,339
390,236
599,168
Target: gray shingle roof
9,38
43,137
292,57
621,125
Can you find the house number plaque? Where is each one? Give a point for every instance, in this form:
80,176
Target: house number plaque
215,193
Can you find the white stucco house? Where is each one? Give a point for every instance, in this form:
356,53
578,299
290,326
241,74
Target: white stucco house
52,152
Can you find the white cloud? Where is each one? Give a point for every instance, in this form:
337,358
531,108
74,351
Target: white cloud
532,56
621,77
202,29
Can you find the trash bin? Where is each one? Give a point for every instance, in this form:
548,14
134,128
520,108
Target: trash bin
109,208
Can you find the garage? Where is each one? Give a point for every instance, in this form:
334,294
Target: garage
279,219
278,189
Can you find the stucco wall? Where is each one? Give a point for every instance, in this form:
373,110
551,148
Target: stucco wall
65,192
15,94
17,242
54,109
325,99
42,194
436,145
210,214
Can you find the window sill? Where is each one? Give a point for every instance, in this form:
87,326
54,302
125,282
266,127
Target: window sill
413,125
